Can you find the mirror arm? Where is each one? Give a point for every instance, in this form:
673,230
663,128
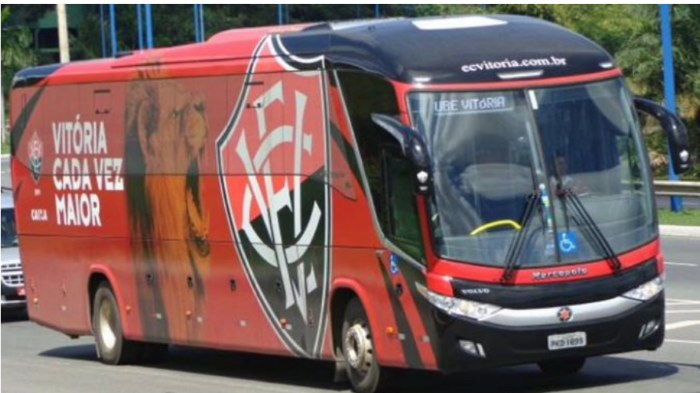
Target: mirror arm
412,145
676,132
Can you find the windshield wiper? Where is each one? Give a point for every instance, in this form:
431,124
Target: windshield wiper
516,245
585,218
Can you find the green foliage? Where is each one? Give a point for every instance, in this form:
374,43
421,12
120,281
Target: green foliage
542,11
608,25
172,25
686,217
438,9
641,58
16,51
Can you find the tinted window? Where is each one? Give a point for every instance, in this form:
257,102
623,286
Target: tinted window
592,147
484,169
387,171
9,230
364,95
403,227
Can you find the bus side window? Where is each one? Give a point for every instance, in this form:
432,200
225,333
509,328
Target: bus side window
403,227
366,94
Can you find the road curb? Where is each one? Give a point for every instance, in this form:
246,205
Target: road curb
678,230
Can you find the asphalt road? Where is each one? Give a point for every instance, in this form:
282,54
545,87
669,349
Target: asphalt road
38,360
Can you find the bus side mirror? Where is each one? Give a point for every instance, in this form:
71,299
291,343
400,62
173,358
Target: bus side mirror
676,132
412,146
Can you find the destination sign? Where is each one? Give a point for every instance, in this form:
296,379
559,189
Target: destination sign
472,104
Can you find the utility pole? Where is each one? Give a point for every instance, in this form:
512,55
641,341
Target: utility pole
149,26
63,46
113,30
103,40
669,88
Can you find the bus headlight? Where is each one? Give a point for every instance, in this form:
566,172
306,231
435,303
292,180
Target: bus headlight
647,290
461,307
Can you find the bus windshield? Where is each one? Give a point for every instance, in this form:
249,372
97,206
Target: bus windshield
491,151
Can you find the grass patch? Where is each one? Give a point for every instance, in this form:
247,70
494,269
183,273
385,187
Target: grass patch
5,148
686,217
684,177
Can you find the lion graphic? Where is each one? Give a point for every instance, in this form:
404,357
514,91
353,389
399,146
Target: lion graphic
166,132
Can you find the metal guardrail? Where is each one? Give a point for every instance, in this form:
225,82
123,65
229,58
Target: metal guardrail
679,188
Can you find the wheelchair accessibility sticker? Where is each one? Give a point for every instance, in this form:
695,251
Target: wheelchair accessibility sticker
393,264
568,242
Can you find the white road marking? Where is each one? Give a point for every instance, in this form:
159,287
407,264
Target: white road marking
681,264
683,312
668,340
681,325
682,302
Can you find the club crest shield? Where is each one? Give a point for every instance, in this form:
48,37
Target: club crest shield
272,157
35,150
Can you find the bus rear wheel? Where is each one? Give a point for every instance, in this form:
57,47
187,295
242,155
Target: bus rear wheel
562,367
363,370
112,347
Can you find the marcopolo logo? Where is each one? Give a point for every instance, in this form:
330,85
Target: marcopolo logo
36,156
581,271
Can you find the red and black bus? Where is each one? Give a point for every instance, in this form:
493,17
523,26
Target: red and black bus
437,193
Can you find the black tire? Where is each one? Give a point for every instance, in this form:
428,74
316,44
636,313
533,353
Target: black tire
562,367
112,347
367,376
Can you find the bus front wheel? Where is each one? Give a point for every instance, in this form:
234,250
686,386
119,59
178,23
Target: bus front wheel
112,347
363,370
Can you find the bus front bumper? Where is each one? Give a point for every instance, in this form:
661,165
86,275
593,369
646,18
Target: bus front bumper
497,345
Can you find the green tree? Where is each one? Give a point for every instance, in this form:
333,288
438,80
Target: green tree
17,51
609,25
172,25
641,59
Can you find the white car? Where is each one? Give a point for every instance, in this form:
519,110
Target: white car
13,292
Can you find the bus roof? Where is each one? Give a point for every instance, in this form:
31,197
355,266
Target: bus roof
435,50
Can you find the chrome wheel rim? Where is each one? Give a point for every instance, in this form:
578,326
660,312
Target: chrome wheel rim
106,326
358,348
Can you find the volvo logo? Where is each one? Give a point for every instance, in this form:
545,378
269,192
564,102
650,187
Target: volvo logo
476,291
565,314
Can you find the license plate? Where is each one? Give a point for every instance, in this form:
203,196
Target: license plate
564,341
21,292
